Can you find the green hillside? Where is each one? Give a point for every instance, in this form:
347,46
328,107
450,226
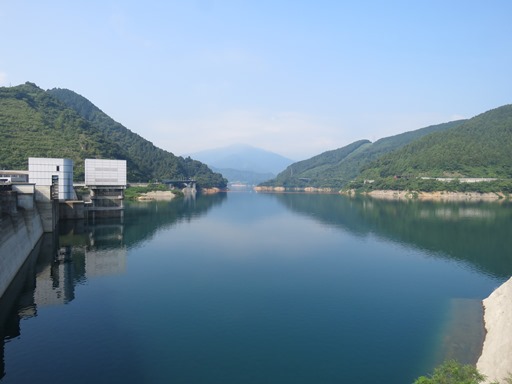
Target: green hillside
319,171
480,147
60,123
336,168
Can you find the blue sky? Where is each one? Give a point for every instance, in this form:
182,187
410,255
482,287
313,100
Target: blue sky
294,77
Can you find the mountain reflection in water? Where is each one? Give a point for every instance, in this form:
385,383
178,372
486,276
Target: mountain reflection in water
247,287
82,250
477,234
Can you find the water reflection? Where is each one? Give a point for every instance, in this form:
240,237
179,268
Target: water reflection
477,234
270,288
83,250
18,302
144,220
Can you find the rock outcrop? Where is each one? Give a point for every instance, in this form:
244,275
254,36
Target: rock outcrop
495,361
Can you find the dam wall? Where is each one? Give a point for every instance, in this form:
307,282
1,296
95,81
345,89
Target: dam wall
21,228
47,207
27,211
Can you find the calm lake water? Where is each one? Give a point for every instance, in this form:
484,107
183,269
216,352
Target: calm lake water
256,288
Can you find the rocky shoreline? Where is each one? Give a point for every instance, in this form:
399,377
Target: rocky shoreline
156,196
495,362
435,196
211,191
305,190
397,195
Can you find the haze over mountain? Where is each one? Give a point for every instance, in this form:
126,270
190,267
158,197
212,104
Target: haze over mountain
244,163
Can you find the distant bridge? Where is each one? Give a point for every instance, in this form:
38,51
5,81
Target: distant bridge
185,182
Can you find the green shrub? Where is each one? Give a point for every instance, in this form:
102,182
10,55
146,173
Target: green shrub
452,372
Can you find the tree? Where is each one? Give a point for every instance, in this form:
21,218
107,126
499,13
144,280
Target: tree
452,372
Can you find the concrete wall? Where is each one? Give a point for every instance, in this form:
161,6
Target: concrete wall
19,233
48,209
8,202
26,195
71,210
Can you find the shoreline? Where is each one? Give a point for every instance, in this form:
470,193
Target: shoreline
495,362
156,196
435,196
397,195
295,190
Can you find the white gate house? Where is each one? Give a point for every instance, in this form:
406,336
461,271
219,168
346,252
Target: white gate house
106,179
50,172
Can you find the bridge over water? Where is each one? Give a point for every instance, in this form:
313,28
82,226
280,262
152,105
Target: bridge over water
180,182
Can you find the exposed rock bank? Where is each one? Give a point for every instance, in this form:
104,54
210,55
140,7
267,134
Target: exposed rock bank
496,359
306,189
156,195
209,191
433,196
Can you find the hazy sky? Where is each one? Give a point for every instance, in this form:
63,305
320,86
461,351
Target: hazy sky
297,77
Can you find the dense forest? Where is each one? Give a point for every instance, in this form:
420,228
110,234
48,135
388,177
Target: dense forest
322,170
480,147
336,168
419,160
60,123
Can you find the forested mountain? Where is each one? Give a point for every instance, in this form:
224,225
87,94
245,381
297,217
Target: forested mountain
334,169
319,171
60,123
480,147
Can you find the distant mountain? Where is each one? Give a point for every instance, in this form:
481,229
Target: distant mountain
479,147
244,163
334,169
243,177
61,123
